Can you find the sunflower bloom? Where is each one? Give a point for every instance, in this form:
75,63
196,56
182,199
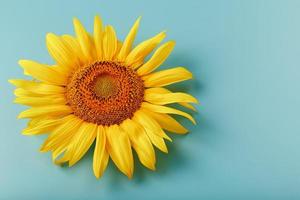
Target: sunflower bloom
102,90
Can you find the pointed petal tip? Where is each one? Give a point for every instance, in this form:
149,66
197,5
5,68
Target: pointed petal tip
25,131
187,71
194,110
77,23
98,24
108,26
164,33
50,36
43,149
21,62
97,17
129,175
71,163
161,35
75,20
138,19
98,175
12,81
20,116
172,42
151,166
164,149
168,138
58,162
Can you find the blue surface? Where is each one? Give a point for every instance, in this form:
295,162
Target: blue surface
246,59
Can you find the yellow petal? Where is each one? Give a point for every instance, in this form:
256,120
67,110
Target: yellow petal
189,106
137,64
61,70
162,91
36,120
119,46
158,142
140,142
83,39
128,42
43,73
167,110
61,147
43,126
41,101
82,141
110,43
146,121
139,53
65,149
159,56
61,133
100,158
98,36
53,110
119,149
167,77
162,99
159,90
37,87
19,92
61,52
168,123
67,153
57,151
154,138
74,45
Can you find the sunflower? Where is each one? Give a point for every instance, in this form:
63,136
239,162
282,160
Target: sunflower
102,90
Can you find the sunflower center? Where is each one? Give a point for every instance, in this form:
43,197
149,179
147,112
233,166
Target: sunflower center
105,86
105,93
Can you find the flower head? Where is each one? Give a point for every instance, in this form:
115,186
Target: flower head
103,90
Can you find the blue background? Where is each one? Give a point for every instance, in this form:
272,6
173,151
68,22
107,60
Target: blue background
245,56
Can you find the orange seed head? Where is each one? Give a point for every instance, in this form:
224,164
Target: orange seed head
105,93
